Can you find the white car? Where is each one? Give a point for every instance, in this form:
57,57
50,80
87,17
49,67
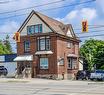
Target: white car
97,75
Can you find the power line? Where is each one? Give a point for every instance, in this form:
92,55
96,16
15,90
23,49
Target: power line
7,1
78,37
4,2
93,26
96,31
90,32
33,7
70,5
91,36
49,9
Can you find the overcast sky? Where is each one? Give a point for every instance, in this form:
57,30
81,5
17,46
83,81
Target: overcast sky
93,12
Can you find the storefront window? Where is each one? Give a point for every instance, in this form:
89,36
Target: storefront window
43,63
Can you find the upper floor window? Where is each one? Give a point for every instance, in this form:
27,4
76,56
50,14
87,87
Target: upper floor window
38,28
30,29
70,45
27,46
43,43
34,29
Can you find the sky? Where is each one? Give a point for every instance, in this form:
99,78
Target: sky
93,12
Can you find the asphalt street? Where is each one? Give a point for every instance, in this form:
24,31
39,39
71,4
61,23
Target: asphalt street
49,87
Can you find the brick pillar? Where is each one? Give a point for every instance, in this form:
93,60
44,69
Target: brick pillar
65,66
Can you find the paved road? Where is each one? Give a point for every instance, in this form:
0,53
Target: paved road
50,87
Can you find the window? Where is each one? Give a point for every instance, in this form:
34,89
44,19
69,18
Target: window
47,44
34,29
74,66
43,63
38,28
27,46
43,43
30,29
72,63
69,44
73,45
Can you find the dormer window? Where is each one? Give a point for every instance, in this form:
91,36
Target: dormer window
34,29
38,28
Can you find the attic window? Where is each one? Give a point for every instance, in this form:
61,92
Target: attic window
34,29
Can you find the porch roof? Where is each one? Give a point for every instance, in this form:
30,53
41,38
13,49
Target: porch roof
72,55
24,58
43,52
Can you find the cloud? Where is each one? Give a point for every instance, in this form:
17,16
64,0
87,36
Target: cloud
100,5
76,16
88,13
9,28
70,16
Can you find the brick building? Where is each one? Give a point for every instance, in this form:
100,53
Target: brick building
47,48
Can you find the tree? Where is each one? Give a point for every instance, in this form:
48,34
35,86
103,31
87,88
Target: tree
5,46
93,53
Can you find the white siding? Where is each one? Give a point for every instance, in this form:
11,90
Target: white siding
69,33
11,67
80,64
33,21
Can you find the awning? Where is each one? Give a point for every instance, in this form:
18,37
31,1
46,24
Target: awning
43,52
24,58
72,55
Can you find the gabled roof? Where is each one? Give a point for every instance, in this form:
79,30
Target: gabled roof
53,24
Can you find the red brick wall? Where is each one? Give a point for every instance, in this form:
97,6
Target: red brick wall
33,47
58,47
63,51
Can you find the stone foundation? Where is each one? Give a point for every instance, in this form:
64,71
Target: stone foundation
70,76
47,76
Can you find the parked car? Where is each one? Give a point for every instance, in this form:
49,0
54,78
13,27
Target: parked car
3,71
83,75
97,75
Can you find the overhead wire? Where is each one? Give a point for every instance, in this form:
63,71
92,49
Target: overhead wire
74,4
6,1
80,37
92,26
48,9
45,4
95,31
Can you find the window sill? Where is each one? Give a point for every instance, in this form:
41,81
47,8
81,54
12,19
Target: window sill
73,69
44,69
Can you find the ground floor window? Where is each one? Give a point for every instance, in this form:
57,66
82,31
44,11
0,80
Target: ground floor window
72,63
43,63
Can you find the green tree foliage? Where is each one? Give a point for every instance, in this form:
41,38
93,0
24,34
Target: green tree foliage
93,53
5,47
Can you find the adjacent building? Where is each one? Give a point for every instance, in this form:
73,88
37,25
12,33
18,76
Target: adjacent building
6,60
47,48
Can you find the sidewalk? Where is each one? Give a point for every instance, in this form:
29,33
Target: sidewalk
47,81
26,80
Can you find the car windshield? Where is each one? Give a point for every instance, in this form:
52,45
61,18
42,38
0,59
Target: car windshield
99,71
